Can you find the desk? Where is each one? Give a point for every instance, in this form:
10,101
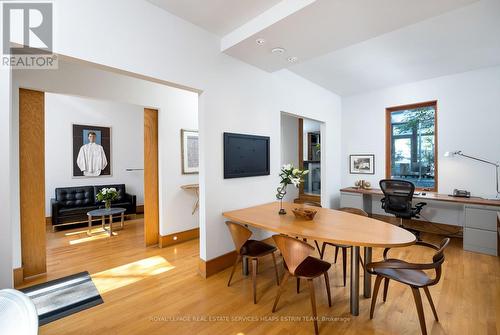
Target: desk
477,216
329,226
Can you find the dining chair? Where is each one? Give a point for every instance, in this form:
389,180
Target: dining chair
251,249
411,274
344,248
298,263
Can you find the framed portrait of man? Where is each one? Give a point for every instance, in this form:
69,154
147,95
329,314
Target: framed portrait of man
91,151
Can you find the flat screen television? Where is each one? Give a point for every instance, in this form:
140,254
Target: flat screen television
245,155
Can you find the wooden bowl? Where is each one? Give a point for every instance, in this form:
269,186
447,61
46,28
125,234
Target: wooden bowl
304,213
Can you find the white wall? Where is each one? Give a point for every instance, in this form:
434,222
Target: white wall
290,148
127,142
6,182
236,97
177,109
468,120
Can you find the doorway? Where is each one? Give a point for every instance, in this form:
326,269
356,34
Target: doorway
301,147
32,164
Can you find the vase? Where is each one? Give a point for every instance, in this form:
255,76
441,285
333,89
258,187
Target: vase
282,210
107,204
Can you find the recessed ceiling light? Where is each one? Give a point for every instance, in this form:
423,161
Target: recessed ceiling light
260,41
278,51
293,59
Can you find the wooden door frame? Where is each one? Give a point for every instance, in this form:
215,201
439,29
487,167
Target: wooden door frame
304,196
32,181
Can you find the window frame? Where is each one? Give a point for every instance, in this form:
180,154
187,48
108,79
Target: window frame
388,139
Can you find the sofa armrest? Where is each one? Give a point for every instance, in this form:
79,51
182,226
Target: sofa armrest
55,205
133,200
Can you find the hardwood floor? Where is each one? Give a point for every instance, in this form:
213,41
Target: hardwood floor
158,291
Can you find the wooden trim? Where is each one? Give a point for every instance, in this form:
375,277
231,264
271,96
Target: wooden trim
139,209
18,275
32,181
388,148
301,151
151,202
213,266
309,197
179,237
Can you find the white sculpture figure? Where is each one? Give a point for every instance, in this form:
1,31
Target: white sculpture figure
91,157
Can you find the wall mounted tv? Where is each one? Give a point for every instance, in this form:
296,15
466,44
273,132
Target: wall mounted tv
245,155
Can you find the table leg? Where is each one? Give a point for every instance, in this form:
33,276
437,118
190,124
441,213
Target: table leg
103,222
122,220
367,279
111,225
89,232
244,266
355,281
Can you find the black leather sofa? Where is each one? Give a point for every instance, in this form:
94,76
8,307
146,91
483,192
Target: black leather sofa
71,204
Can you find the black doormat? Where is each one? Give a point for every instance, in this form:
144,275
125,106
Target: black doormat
64,296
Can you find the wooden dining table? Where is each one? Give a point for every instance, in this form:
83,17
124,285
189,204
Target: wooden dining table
332,226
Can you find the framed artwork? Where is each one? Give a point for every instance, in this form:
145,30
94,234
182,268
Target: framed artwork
362,164
91,151
189,151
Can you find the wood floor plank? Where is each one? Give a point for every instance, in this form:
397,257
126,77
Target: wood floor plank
159,291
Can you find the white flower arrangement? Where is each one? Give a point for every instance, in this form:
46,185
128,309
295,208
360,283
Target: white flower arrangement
289,175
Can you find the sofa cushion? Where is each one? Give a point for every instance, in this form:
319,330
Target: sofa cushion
75,196
76,210
120,188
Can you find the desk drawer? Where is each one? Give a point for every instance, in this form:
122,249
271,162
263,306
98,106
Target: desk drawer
482,241
479,218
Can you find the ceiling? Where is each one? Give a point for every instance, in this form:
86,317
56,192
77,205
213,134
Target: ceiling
219,17
353,46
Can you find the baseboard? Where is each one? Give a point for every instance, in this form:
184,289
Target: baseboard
179,237
213,266
423,226
18,276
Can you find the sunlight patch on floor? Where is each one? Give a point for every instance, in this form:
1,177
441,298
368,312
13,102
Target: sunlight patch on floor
130,273
99,234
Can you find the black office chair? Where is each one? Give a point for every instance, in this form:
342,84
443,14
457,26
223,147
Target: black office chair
397,200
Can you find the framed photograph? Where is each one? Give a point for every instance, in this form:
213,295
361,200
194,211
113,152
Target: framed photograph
362,164
91,151
189,151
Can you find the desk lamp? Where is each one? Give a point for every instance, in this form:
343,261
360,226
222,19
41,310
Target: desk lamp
495,164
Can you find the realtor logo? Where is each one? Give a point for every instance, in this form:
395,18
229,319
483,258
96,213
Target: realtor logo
28,35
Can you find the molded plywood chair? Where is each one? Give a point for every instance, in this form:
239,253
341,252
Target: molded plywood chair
299,264
251,249
410,274
344,248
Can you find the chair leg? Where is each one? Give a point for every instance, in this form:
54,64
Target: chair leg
254,279
323,247
428,294
234,268
378,280
344,263
327,282
336,253
276,269
298,285
420,309
281,289
313,305
319,249
386,288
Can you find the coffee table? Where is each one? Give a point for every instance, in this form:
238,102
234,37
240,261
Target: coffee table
103,212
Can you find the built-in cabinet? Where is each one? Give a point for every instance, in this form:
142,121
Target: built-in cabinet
480,222
480,231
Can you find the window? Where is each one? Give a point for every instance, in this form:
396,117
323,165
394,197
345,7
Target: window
411,144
